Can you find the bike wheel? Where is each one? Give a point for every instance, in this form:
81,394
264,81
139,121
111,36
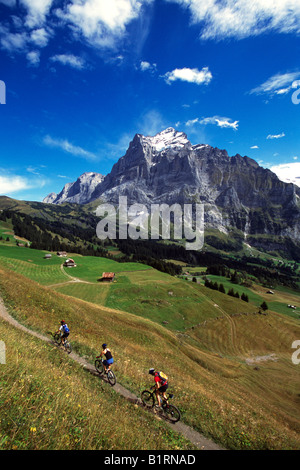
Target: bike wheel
111,377
68,347
57,338
172,413
99,366
148,399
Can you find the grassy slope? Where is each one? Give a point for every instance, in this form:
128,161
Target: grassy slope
219,394
49,402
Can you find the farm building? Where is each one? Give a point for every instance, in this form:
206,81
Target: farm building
69,263
108,277
62,253
48,256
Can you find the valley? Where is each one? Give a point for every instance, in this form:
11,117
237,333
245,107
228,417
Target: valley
229,363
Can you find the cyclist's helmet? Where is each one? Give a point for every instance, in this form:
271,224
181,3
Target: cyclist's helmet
104,346
62,322
151,371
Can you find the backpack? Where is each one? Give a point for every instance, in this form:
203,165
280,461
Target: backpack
163,377
66,329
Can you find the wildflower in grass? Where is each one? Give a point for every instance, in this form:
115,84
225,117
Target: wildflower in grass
33,430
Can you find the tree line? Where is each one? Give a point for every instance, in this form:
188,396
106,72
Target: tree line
220,287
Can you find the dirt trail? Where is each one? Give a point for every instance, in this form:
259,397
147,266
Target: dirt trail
195,437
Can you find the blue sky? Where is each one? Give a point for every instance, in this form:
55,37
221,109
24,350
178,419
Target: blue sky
82,77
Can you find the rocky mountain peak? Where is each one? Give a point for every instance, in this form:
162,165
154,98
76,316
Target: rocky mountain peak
168,138
166,169
79,192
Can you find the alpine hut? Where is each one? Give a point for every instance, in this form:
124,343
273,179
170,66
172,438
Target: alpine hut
69,263
108,277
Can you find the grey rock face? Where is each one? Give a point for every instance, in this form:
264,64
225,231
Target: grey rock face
78,192
167,168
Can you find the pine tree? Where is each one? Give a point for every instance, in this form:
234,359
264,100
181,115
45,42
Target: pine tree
264,306
222,288
244,297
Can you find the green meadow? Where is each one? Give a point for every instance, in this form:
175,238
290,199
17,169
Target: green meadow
227,392
230,368
179,303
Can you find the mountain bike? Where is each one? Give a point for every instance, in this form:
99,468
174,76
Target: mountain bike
170,412
99,366
58,340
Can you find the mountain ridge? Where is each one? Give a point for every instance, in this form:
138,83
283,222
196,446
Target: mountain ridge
166,168
78,192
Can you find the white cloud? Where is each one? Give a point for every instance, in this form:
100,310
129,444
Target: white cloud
40,37
66,146
33,170
278,84
216,120
37,11
69,59
191,122
33,57
12,41
19,41
101,22
186,74
144,65
288,172
221,122
242,18
13,183
276,136
254,147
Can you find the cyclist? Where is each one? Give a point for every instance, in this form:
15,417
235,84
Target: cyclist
63,331
108,357
161,385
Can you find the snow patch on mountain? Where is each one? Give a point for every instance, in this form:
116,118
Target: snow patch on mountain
169,138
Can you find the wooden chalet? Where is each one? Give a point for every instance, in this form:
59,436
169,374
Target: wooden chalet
69,263
62,253
108,277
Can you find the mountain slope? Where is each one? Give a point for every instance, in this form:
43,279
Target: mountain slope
79,192
221,394
237,193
